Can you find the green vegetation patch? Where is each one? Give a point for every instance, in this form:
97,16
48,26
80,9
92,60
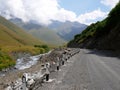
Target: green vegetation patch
42,48
6,53
5,60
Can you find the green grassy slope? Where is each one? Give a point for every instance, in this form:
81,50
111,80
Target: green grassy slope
14,40
101,35
49,36
11,34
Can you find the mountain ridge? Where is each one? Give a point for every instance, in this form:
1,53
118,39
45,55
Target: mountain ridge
47,35
67,30
62,32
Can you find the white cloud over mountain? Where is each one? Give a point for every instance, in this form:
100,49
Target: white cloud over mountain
41,10
110,3
91,16
44,11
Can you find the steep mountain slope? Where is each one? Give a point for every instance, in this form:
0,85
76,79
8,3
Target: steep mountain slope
101,35
10,34
59,32
67,30
14,40
47,35
41,32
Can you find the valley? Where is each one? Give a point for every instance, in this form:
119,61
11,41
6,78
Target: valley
59,45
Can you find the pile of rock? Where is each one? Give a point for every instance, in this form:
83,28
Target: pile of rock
51,62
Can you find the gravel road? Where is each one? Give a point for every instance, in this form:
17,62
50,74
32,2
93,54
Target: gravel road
88,70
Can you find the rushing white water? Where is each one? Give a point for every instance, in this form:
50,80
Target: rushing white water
27,62
24,63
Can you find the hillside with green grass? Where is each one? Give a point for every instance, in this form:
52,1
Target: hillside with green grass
49,36
101,35
14,40
10,34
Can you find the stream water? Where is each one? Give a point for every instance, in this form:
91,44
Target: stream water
23,63
27,62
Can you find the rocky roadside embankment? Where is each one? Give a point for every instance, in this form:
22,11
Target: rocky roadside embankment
13,75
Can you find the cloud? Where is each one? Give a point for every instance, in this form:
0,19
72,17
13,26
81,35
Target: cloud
110,3
12,7
63,15
44,11
90,17
40,10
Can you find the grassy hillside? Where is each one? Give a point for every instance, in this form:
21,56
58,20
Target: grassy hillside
10,32
49,36
101,35
5,60
14,40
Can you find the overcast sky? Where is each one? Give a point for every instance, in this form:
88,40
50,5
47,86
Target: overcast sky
44,11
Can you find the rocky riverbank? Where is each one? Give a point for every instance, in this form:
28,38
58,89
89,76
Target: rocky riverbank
13,75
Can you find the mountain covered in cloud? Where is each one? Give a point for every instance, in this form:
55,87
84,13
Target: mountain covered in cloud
56,33
46,11
41,32
42,11
26,25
